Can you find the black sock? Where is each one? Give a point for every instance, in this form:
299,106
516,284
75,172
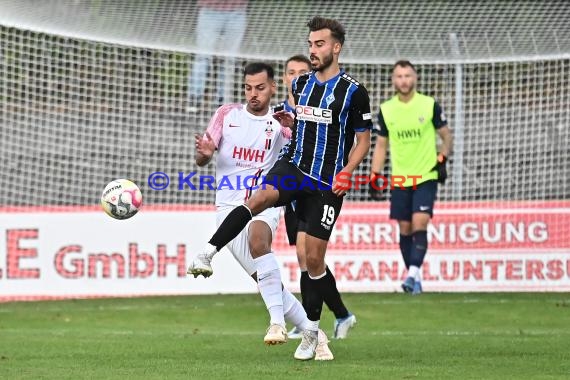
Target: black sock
232,225
419,248
314,300
406,248
331,296
303,286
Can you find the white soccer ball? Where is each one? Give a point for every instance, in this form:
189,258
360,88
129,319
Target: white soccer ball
121,199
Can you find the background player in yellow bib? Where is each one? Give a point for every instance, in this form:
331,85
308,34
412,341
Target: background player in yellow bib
410,121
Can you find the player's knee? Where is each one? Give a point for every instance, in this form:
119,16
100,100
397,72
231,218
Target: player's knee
315,263
262,200
259,247
420,222
405,227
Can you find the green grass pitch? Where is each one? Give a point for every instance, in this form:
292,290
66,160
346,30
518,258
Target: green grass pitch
433,336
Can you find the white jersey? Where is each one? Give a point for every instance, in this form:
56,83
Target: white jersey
248,146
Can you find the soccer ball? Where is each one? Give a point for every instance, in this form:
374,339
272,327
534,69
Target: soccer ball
121,199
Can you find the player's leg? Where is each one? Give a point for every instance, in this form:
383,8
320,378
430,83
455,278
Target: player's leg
299,242
401,210
266,196
320,210
344,320
422,211
405,227
314,296
293,311
296,235
302,260
240,248
268,279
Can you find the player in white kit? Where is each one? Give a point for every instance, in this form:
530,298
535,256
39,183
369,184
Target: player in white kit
248,140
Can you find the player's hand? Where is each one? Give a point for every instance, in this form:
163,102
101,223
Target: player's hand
342,182
205,145
441,168
286,119
378,186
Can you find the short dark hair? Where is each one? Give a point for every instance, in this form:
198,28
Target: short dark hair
259,67
336,28
298,58
403,63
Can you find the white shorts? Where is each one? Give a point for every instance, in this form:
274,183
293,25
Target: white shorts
239,247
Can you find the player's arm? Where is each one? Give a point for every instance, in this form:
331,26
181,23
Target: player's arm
381,148
207,143
361,122
358,151
440,123
355,157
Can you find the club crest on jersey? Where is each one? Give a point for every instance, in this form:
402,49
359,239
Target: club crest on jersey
421,119
268,129
329,99
314,114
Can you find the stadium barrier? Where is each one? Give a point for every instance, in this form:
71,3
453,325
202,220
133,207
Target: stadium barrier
71,252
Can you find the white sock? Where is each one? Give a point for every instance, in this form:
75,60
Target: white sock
210,250
419,276
294,312
413,271
313,326
269,283
318,277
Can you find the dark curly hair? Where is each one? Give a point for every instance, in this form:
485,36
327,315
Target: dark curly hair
336,28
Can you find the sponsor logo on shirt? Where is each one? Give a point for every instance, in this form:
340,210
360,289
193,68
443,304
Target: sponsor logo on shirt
314,114
248,154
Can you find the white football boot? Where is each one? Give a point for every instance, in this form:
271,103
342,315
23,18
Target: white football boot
341,326
276,334
323,352
202,264
306,350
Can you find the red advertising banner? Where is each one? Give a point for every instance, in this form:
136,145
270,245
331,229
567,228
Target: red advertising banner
81,252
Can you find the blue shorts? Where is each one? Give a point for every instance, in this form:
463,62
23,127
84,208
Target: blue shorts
408,200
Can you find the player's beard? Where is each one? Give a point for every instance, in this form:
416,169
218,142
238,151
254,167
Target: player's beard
256,107
325,63
406,92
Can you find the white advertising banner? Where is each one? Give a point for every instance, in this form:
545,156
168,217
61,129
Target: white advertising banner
81,252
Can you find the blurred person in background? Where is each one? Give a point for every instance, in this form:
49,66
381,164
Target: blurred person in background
220,28
411,121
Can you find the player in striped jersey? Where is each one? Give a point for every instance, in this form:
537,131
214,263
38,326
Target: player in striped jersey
332,110
248,140
296,66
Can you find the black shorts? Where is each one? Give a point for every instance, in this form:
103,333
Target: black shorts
316,205
293,224
408,200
